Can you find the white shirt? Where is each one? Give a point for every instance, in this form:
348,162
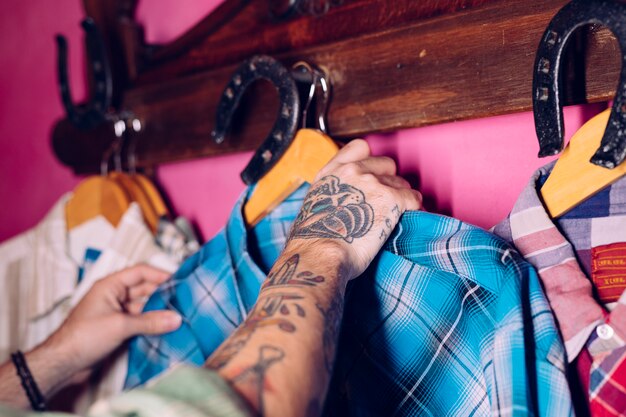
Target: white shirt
38,282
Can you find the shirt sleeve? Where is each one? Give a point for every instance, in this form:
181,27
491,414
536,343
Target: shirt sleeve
184,391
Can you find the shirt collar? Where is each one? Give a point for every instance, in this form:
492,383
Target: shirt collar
267,239
248,275
538,239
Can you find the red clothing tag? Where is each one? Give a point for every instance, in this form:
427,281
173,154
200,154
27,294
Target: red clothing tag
608,271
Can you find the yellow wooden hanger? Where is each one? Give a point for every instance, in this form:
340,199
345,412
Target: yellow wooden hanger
153,194
96,196
575,179
309,152
137,195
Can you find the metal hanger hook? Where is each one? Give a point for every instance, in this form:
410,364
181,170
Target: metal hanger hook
322,110
318,78
114,151
306,67
106,157
131,155
119,126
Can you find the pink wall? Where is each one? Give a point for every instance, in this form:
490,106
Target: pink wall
472,170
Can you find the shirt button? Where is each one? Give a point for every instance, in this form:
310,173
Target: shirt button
605,332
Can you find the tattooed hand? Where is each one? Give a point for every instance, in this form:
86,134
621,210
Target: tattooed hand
356,201
280,359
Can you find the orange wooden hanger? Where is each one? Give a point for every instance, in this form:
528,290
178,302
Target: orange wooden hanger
574,178
137,195
309,152
153,194
96,196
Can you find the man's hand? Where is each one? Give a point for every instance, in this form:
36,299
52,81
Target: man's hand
109,314
355,202
281,358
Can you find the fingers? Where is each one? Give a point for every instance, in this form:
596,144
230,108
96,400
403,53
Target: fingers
141,291
138,296
394,181
355,150
141,273
152,323
412,199
378,165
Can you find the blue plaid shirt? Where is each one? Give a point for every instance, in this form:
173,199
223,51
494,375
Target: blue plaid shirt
448,320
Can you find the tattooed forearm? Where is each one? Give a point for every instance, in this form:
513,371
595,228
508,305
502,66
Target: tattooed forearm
274,309
251,381
332,326
287,275
262,315
333,210
299,338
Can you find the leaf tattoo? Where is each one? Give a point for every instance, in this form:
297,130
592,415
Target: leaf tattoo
262,315
334,210
286,275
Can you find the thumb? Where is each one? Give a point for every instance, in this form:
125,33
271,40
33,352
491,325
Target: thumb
154,322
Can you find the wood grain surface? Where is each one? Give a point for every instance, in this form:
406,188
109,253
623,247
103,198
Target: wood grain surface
443,61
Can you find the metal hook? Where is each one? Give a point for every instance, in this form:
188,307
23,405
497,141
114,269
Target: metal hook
304,66
323,108
317,77
93,112
131,157
119,127
547,107
284,129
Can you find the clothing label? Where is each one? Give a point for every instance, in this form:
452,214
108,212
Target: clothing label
608,271
91,256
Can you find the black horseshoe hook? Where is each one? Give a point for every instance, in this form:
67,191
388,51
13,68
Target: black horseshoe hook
93,112
547,107
284,129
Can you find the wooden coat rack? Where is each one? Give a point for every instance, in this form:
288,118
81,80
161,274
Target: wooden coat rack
393,65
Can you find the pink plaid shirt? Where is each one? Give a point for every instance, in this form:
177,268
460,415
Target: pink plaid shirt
561,251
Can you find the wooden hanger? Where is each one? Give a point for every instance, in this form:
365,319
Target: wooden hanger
574,178
96,196
137,195
153,194
310,151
